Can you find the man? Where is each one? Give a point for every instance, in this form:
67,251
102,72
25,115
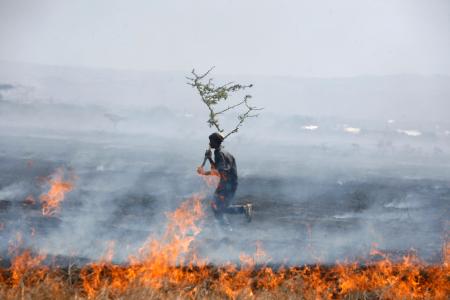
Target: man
224,166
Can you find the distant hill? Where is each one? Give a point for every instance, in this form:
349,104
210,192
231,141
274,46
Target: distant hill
403,97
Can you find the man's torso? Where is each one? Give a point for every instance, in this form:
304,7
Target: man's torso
226,166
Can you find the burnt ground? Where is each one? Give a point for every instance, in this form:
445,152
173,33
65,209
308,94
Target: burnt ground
307,207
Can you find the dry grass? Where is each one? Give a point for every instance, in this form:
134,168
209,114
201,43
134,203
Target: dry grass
428,282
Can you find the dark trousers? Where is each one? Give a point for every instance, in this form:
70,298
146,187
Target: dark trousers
221,204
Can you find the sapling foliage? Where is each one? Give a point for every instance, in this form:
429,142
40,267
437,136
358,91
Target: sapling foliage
214,96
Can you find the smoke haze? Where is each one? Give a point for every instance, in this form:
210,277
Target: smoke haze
352,149
327,184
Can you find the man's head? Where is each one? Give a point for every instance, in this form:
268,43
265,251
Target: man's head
215,140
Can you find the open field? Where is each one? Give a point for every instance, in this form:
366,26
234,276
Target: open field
305,221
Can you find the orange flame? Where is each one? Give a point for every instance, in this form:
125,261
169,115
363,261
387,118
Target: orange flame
159,260
58,188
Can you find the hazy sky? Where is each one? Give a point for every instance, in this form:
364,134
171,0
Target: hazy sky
299,38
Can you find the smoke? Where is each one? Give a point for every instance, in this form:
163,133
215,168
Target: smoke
15,190
323,188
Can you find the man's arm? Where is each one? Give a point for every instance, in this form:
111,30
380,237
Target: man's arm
213,171
212,163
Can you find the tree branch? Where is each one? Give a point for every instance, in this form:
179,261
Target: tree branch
212,95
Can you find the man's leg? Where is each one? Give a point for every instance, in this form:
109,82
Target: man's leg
219,209
245,209
235,209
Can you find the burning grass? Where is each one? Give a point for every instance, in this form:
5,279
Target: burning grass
167,267
383,280
51,201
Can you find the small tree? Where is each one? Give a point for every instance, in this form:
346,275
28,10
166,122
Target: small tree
213,96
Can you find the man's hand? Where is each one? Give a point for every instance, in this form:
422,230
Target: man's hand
208,154
200,171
